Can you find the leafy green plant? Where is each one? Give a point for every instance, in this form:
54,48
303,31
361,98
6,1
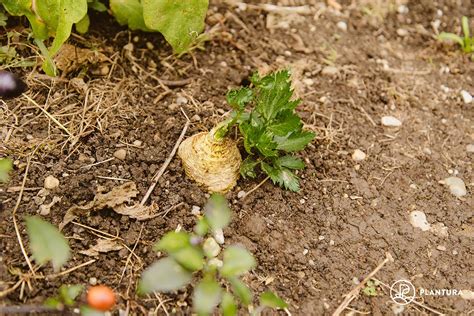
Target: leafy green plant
66,296
179,21
6,165
192,254
466,42
371,288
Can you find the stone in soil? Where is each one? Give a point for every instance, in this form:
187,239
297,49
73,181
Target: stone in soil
391,121
456,186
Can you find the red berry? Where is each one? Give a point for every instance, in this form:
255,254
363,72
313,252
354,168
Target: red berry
101,297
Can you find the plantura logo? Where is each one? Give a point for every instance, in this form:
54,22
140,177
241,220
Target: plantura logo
402,292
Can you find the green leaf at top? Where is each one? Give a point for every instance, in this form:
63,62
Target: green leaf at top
173,241
270,299
180,22
237,99
217,211
237,261
228,305
241,291
290,162
97,5
207,295
165,275
296,141
6,165
129,12
46,242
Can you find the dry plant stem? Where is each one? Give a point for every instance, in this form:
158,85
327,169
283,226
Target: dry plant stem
255,188
50,116
132,252
18,201
414,301
355,291
13,288
160,172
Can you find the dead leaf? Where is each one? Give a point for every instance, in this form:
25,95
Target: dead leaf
139,212
70,58
103,245
117,196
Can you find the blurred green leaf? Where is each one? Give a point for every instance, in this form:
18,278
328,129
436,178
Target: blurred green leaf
451,37
190,258
241,291
207,296
237,261
6,165
270,299
173,241
97,5
129,12
46,242
217,212
202,227
53,302
165,275
228,305
88,311
68,293
83,25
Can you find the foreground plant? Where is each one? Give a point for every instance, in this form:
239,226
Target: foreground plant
466,42
180,22
194,254
6,165
271,130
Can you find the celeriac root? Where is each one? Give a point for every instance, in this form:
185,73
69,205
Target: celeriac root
210,162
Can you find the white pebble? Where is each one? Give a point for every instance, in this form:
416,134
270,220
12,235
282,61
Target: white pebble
456,186
241,194
342,25
330,71
418,220
321,237
50,182
137,143
92,281
402,9
196,210
311,262
455,252
470,148
402,32
441,248
331,242
308,81
445,89
181,100
466,96
218,235
302,201
211,248
358,155
427,151
391,121
397,309
120,154
305,252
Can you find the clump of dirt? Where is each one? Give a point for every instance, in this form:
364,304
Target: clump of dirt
313,246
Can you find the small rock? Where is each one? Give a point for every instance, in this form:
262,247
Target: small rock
330,71
402,32
308,81
211,248
418,220
302,201
455,252
305,252
120,154
441,248
331,242
150,45
181,100
92,281
104,70
358,155
470,148
467,294
402,9
321,238
218,235
311,262
129,47
397,309
196,118
196,210
342,25
137,143
466,96
427,151
241,194
391,121
456,186
50,182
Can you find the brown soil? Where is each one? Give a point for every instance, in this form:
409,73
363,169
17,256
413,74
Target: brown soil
313,246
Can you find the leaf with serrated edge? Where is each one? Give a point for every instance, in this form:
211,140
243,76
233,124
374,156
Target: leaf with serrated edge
47,243
295,142
290,162
165,275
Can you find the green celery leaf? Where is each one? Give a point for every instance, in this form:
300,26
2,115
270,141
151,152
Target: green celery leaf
69,293
129,12
290,162
190,258
237,99
270,299
83,25
228,305
180,22
266,146
173,241
217,211
284,177
295,142
165,275
207,295
241,291
6,165
46,242
97,5
237,261
288,123
247,168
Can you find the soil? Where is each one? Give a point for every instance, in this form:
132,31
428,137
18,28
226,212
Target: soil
312,247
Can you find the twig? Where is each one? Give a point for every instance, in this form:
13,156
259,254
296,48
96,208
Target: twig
52,276
176,83
50,116
132,252
9,290
160,172
255,188
353,294
18,201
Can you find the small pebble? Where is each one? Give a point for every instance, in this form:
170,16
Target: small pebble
308,81
50,182
311,262
427,151
129,47
466,96
402,9
330,71
418,220
441,248
120,154
321,237
92,281
150,45
456,186
331,242
241,194
397,309
342,25
211,248
216,262
470,148
181,100
402,32
218,235
302,201
137,143
305,252
391,121
196,210
358,155
196,118
455,252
